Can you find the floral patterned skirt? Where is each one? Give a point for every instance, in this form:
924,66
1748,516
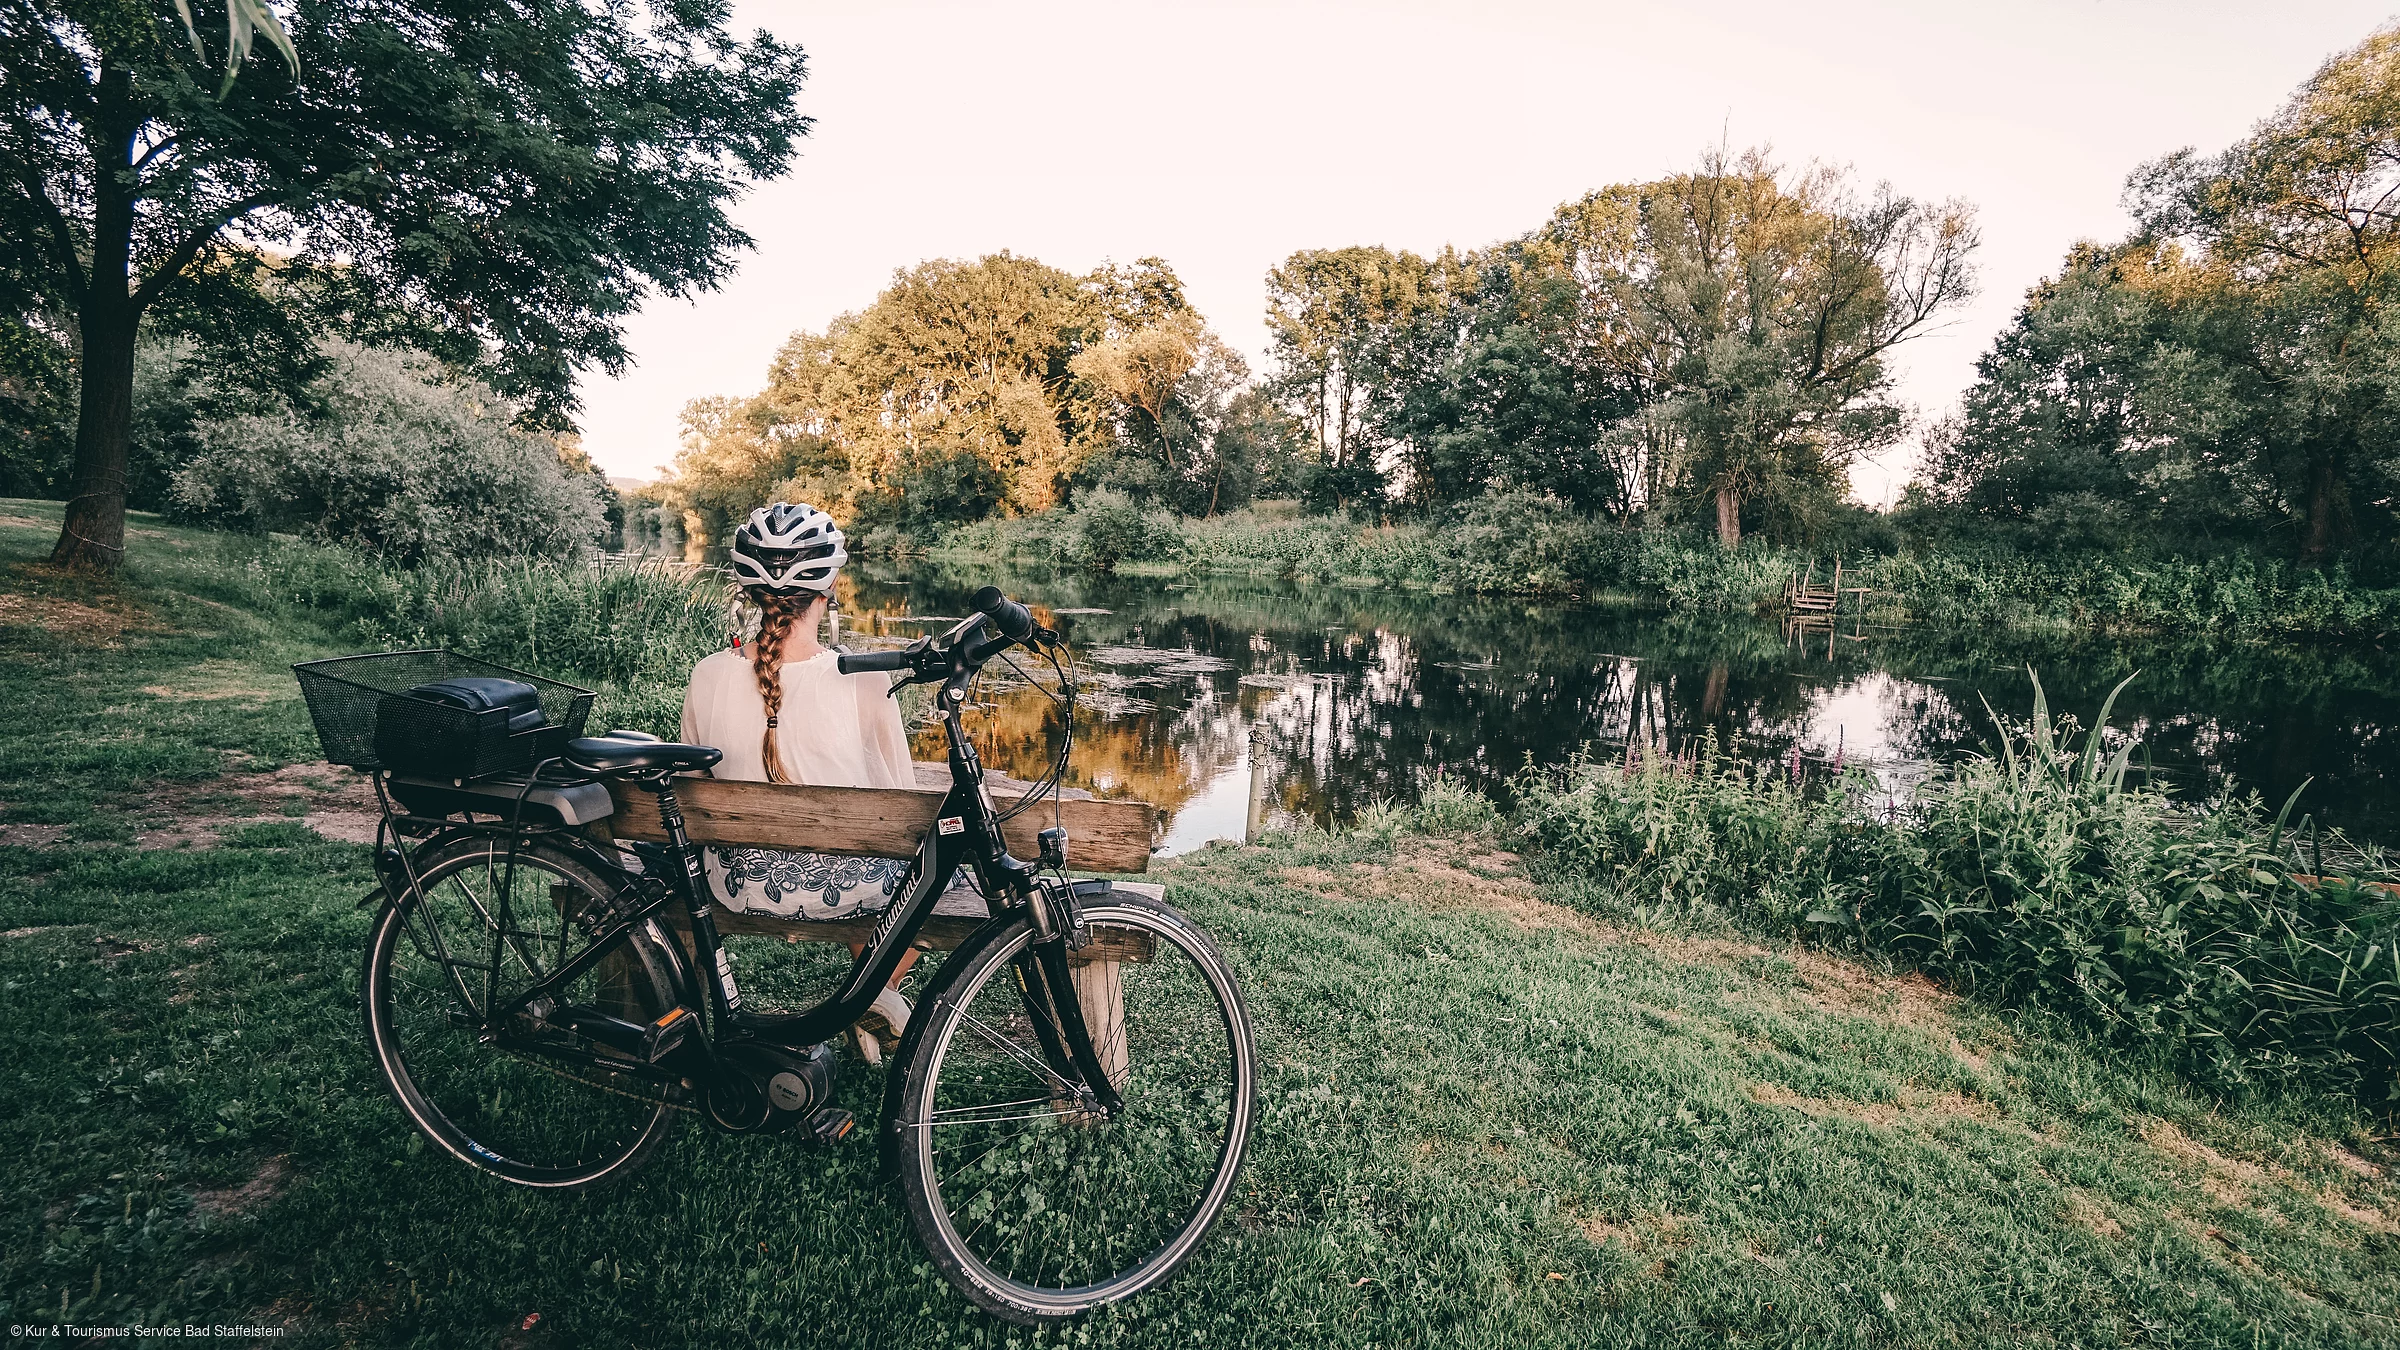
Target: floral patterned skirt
791,885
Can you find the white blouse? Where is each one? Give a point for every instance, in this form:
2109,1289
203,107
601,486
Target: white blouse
834,730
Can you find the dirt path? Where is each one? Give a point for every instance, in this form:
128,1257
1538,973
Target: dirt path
335,803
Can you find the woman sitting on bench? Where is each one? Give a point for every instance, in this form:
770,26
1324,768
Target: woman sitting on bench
783,713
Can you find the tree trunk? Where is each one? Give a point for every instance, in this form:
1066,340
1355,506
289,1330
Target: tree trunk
93,534
2323,499
1729,516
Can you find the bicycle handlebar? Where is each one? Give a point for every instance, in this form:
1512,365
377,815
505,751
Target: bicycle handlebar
1014,621
854,663
922,661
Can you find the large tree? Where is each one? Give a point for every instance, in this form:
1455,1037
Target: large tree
498,185
1338,317
1760,309
2232,371
997,384
2295,230
1497,390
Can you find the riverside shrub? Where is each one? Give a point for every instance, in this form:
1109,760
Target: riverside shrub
633,631
1530,544
392,456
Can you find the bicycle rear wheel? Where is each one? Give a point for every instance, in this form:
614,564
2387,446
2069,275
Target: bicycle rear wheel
531,1103
1038,1210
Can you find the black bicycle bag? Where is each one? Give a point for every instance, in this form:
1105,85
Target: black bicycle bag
461,727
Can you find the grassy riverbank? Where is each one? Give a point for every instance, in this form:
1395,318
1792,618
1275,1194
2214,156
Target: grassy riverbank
1523,545
1489,1117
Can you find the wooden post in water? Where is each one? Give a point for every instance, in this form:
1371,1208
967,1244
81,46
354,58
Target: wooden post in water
1254,819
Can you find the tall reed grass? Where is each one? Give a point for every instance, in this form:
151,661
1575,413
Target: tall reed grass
2036,876
630,630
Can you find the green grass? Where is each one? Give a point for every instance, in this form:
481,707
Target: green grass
1467,1091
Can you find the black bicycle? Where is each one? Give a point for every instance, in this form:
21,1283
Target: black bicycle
535,1018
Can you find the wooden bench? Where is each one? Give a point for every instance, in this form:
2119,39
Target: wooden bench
1102,836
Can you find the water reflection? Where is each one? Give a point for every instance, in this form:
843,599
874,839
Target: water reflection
1340,698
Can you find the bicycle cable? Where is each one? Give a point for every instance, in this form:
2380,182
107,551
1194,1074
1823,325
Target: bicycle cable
1052,783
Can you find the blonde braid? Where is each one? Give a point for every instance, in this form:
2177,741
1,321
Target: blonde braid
781,611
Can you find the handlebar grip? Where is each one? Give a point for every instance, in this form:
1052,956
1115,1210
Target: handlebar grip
857,663
1012,619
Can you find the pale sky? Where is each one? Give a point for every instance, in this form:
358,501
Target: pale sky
1224,137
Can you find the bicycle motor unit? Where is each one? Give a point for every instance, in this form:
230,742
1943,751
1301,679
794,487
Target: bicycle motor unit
767,1089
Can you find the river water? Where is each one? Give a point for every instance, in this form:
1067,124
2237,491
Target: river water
1321,700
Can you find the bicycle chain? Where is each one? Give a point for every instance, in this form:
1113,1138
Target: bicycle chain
555,1071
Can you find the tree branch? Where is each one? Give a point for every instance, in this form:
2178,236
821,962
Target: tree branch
154,151
189,249
62,236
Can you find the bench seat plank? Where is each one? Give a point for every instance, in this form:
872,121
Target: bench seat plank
956,914
1102,836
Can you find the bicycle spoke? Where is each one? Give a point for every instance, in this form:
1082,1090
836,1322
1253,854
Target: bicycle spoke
1014,1051
959,1116
546,1103
440,957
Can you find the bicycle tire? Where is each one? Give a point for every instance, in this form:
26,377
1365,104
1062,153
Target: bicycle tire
970,973
404,1039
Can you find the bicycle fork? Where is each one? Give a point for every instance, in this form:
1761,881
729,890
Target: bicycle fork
1052,1003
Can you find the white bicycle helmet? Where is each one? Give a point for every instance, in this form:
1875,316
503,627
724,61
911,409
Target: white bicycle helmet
787,547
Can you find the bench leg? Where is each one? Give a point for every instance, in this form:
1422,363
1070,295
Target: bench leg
1100,991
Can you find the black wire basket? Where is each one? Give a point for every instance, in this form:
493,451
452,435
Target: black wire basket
367,718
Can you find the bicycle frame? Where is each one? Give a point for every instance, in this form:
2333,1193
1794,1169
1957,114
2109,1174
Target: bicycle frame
965,832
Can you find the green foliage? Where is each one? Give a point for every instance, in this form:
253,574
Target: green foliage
2230,370
499,194
1711,840
37,408
2037,877
1107,529
1458,1101
387,454
1111,528
1449,809
1720,334
244,21
632,631
1000,385
1524,543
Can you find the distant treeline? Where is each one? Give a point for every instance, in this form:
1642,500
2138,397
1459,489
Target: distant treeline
1707,352
1526,543
1704,354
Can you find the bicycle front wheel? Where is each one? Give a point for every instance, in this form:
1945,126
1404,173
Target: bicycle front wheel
1037,1209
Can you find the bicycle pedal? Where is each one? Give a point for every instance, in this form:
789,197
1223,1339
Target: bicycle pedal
831,1125
662,1037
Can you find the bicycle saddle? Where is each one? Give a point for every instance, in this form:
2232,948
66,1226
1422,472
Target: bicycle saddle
602,755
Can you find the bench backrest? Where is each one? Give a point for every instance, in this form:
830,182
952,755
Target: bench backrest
1102,836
